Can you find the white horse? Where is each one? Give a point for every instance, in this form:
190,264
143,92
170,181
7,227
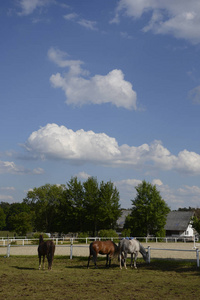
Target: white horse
131,247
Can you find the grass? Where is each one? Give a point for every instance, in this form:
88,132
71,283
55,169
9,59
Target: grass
70,279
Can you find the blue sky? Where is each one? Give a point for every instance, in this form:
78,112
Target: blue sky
100,88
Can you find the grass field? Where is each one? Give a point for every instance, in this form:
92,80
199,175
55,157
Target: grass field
70,279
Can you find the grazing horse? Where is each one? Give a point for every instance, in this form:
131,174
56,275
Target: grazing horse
131,247
46,248
102,247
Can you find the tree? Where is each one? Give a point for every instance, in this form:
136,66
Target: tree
149,212
22,223
91,204
45,201
75,197
109,210
2,219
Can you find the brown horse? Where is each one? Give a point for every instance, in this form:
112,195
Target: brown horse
46,248
102,247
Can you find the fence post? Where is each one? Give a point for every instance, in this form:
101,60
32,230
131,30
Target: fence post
8,250
71,250
149,254
197,255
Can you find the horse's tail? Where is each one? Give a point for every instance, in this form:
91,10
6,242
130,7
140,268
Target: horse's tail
92,251
51,250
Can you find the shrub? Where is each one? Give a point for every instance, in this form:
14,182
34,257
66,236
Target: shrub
109,233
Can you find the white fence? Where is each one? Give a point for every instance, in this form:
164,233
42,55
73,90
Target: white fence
72,244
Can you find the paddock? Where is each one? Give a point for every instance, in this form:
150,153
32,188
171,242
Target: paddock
157,250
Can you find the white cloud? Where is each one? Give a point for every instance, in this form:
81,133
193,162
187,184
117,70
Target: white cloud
9,167
83,175
71,16
99,89
194,95
28,6
59,142
6,198
7,188
88,24
178,18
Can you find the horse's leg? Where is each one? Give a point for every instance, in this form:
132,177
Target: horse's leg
39,261
124,260
131,260
110,260
135,258
95,259
43,262
88,261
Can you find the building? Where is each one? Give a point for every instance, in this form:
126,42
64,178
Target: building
179,224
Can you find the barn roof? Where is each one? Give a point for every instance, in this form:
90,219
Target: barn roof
178,220
122,218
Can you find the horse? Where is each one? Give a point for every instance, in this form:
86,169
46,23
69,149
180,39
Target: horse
132,246
102,247
46,248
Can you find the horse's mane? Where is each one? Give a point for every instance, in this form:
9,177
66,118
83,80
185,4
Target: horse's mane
143,251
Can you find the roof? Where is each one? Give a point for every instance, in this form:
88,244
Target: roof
178,220
122,218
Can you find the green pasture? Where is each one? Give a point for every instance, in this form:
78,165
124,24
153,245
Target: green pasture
70,279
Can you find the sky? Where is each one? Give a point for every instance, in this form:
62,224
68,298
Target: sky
109,89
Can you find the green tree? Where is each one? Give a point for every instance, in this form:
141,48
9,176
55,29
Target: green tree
149,212
46,201
75,198
2,219
22,223
196,224
91,204
109,210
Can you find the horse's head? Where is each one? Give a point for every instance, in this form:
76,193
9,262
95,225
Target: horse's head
41,239
147,257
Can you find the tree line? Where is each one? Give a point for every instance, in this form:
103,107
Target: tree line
74,207
87,207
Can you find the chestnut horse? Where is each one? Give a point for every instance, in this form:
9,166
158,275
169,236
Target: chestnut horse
102,247
46,248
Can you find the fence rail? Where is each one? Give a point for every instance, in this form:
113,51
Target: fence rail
4,241
72,247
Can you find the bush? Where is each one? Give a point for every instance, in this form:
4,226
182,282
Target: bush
109,233
83,235
36,235
126,232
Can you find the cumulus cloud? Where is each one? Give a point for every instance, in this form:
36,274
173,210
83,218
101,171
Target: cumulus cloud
9,167
81,89
178,18
59,142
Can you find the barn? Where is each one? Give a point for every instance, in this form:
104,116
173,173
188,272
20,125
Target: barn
179,224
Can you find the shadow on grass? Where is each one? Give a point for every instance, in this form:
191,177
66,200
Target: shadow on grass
23,268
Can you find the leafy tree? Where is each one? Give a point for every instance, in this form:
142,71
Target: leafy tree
149,212
2,219
45,201
91,204
15,209
109,210
196,224
75,198
21,223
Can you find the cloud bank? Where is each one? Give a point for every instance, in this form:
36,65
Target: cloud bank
58,142
178,18
81,89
